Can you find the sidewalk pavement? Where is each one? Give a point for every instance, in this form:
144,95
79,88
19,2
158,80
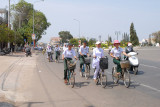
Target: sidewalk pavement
15,70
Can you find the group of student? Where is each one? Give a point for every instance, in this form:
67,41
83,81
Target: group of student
83,51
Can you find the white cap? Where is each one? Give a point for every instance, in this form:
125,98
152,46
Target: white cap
98,42
129,44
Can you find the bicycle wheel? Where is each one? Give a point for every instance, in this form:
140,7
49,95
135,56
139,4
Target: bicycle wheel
135,70
82,71
103,79
58,59
114,75
98,79
126,78
72,79
87,72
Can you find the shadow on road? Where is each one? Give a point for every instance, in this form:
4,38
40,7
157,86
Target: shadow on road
30,104
81,84
140,73
4,104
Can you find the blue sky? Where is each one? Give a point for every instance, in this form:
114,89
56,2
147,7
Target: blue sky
98,17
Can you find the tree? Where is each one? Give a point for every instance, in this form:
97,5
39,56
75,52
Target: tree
74,41
133,35
92,42
109,39
156,36
65,35
6,35
83,39
23,20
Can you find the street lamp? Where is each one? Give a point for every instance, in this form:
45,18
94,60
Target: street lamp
33,19
79,26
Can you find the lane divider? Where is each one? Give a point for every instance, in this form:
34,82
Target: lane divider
150,66
147,86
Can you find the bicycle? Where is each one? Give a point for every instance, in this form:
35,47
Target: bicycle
102,76
70,72
58,56
124,75
50,56
85,71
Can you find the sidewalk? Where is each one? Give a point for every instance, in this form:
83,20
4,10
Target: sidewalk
15,70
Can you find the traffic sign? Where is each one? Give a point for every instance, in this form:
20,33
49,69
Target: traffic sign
33,36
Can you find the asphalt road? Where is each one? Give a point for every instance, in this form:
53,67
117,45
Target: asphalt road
44,86
48,88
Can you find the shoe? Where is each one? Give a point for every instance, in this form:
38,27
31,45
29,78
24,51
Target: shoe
74,73
95,80
65,81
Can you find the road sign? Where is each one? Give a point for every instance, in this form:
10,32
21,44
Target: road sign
33,36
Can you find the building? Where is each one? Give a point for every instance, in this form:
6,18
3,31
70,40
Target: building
3,16
55,41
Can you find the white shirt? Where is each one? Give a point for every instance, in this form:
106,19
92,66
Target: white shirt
64,48
49,49
57,49
83,50
117,52
98,52
69,53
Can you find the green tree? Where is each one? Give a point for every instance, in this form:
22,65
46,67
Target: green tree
65,35
74,41
133,35
92,42
23,20
109,39
6,35
156,36
83,39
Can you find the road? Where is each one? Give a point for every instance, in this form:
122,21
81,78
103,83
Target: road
43,85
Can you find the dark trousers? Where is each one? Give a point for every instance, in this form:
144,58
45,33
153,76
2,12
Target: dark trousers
82,60
57,54
66,67
117,62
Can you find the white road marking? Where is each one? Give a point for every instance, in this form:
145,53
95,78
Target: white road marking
150,87
150,66
40,71
147,86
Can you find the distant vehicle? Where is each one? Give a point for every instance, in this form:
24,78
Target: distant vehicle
40,48
35,48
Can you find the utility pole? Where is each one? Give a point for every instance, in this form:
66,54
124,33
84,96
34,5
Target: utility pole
9,20
79,28
9,15
100,38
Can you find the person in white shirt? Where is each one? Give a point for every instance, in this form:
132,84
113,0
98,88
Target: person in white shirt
68,54
116,55
57,51
83,51
49,51
64,47
97,54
